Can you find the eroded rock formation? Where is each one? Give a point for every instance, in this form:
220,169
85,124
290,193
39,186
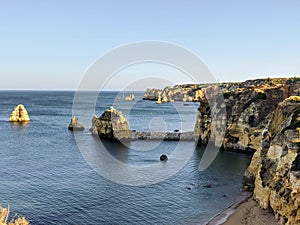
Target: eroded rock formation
130,97
260,116
112,124
19,114
275,167
241,114
74,125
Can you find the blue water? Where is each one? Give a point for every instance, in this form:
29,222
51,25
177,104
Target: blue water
45,177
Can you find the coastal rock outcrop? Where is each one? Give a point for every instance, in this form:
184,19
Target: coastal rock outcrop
240,115
275,167
185,93
74,125
19,114
112,124
130,97
263,117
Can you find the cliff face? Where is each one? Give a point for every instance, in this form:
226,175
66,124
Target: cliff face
275,168
241,113
185,93
261,117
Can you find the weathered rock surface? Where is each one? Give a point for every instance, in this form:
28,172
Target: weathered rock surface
260,116
275,167
130,97
240,115
75,125
186,93
19,114
112,124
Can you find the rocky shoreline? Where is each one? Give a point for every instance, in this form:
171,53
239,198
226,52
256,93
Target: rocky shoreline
259,116
263,119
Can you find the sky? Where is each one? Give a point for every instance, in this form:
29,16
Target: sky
52,44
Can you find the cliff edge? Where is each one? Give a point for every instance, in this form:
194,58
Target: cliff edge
262,117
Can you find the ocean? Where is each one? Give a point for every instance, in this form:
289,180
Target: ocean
48,177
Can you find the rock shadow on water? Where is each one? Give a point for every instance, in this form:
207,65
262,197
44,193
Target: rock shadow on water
116,149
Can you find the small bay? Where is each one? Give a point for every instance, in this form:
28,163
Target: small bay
44,176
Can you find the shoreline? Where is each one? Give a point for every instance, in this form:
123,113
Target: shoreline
244,211
223,216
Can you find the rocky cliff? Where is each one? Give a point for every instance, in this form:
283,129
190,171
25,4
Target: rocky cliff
240,113
275,167
196,92
260,116
186,93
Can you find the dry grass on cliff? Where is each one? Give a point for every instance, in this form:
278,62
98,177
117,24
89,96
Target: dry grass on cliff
4,214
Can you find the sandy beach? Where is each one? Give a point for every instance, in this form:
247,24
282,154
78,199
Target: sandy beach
244,212
249,213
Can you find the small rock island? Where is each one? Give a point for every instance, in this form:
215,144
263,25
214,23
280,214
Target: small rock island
19,114
74,125
112,124
130,97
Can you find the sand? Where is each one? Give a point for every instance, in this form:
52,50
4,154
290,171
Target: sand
249,213
244,212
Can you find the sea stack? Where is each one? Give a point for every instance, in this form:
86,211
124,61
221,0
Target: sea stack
19,114
74,125
112,125
131,97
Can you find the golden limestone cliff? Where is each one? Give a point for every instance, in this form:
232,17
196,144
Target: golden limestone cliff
19,114
275,167
4,214
262,117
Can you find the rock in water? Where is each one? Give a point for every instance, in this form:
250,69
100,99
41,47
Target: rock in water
112,125
131,97
163,157
75,125
19,114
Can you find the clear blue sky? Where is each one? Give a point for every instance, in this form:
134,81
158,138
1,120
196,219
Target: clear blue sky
51,44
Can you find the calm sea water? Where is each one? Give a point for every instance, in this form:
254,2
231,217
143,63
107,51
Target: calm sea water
45,177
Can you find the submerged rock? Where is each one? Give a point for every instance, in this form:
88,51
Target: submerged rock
112,125
19,114
75,125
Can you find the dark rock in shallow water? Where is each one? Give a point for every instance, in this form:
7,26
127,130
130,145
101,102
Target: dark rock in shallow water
74,125
207,186
163,157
